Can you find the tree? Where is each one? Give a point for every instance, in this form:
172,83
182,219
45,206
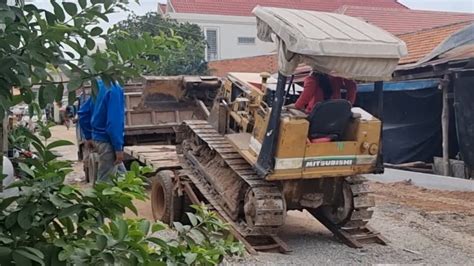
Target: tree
188,59
35,41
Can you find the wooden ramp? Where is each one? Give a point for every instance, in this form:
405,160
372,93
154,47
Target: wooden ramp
158,157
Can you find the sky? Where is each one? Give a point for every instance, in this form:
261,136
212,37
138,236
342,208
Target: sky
441,5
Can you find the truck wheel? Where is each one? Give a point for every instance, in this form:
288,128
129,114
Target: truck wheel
166,205
91,168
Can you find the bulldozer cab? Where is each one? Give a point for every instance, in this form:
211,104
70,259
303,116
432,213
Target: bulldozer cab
285,144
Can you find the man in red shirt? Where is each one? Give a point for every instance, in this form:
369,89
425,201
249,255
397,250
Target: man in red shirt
319,87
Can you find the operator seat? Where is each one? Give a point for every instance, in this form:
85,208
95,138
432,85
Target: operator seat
328,120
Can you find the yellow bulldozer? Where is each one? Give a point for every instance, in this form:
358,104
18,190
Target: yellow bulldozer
253,160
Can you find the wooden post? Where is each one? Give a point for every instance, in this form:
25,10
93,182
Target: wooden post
445,125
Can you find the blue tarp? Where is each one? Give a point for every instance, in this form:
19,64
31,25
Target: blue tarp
401,85
412,119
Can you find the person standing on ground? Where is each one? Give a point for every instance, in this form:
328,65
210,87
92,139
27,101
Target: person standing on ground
101,119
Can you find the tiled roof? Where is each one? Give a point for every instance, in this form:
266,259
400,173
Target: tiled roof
245,7
254,64
421,43
400,21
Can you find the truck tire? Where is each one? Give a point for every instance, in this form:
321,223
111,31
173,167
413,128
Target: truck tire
166,205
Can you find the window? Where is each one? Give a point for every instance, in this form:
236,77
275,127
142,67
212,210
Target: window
246,40
211,38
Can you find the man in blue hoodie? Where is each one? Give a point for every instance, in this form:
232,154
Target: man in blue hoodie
102,121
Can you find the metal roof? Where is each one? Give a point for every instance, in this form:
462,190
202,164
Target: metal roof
331,43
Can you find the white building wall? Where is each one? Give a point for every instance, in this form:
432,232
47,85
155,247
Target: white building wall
229,29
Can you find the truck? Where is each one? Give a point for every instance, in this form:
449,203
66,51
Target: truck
155,118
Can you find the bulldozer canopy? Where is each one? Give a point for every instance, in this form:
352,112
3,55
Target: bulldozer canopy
330,43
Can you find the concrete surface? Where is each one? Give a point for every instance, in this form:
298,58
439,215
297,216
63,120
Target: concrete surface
429,181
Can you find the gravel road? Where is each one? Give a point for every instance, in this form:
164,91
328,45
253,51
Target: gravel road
423,227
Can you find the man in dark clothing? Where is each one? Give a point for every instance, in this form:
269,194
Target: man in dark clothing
319,87
101,119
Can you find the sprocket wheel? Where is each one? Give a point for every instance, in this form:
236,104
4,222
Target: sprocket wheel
341,211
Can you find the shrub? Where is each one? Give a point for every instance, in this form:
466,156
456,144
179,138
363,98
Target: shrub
53,223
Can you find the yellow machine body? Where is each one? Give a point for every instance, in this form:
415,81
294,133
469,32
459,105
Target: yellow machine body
296,157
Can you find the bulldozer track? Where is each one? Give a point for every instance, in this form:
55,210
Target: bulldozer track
355,232
262,235
270,209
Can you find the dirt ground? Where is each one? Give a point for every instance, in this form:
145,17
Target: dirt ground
423,227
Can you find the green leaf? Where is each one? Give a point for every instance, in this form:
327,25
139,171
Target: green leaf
25,217
28,255
58,11
35,139
70,8
179,227
157,241
101,64
83,3
189,258
21,260
69,211
6,241
122,229
41,101
197,235
5,251
108,191
6,202
158,226
90,63
67,190
25,168
34,251
90,43
74,84
192,218
96,31
46,95
59,93
144,226
68,223
58,143
108,258
50,18
101,242
27,95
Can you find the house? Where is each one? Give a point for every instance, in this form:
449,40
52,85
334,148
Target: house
419,43
231,29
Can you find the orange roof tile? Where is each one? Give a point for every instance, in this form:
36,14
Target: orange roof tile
400,21
421,43
245,7
254,64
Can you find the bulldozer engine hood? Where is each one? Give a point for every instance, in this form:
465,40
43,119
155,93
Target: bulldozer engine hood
331,43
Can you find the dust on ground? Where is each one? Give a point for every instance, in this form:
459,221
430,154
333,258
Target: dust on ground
425,199
423,226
